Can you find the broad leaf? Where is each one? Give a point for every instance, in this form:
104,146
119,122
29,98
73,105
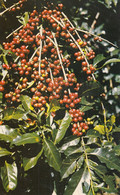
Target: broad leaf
100,129
73,150
86,105
63,128
108,157
52,107
29,163
112,119
4,152
9,176
7,134
98,59
12,113
70,141
91,88
28,138
93,133
68,167
115,2
74,183
52,155
26,102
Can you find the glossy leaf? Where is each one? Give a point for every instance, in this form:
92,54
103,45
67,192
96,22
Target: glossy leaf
108,157
26,102
4,152
70,141
63,128
12,113
9,176
28,138
8,134
68,167
29,163
73,150
52,155
74,182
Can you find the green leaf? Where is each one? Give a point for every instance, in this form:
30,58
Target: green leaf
4,152
113,60
117,149
68,167
63,128
117,129
93,133
9,176
98,59
112,119
2,3
28,138
12,113
91,88
29,163
100,129
115,2
24,20
73,150
26,102
74,183
86,105
1,97
52,155
108,157
52,107
70,141
7,134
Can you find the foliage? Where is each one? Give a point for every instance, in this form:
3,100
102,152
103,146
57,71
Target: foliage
57,123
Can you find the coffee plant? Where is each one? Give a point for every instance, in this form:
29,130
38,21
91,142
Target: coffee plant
58,133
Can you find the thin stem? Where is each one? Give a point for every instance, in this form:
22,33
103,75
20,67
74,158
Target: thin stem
79,49
59,56
9,8
95,21
34,54
87,163
105,121
14,31
89,33
39,70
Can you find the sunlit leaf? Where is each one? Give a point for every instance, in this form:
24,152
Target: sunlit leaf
63,128
7,134
100,129
52,155
74,183
26,102
9,176
12,113
108,157
29,163
4,152
68,167
27,138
